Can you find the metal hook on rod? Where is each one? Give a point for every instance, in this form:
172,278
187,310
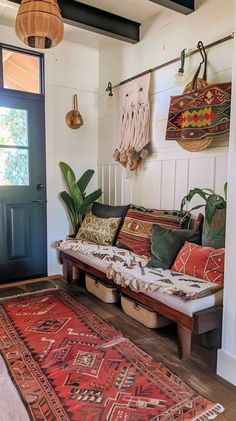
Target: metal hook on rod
109,89
182,58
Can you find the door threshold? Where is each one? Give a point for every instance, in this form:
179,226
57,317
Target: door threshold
29,281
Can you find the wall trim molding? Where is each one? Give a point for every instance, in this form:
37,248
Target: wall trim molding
226,366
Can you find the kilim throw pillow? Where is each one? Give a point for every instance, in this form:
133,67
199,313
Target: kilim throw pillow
98,230
203,262
135,233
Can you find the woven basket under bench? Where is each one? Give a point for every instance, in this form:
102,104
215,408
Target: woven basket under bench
139,312
143,314
106,293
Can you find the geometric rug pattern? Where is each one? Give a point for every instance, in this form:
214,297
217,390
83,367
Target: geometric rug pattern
69,365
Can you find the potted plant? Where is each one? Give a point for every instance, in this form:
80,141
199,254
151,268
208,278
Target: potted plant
213,234
76,200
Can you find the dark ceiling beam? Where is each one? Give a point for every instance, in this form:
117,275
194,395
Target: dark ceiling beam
181,6
96,20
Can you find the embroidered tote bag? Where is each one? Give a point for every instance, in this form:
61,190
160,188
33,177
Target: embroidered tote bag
201,113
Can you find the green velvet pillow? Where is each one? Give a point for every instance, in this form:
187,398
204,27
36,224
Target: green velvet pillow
166,244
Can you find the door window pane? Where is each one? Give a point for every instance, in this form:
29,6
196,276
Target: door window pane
14,167
13,127
14,160
21,71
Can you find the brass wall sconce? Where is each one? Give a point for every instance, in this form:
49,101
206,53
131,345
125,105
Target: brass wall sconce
73,118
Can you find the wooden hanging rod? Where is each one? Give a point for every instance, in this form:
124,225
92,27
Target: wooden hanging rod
174,60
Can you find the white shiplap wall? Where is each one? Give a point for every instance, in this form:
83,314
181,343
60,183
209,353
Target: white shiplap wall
170,172
70,69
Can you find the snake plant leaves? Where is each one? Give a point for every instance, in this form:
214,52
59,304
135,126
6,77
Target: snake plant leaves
191,194
88,200
197,207
214,202
211,191
84,180
75,199
70,206
70,180
68,173
226,190
75,193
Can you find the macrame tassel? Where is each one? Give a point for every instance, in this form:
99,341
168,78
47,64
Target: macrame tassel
134,123
211,414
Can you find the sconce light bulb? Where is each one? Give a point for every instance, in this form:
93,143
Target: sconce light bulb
180,79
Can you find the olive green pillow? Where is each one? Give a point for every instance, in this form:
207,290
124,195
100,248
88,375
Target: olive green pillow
98,230
166,244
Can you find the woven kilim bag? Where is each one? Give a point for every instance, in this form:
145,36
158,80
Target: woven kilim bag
201,113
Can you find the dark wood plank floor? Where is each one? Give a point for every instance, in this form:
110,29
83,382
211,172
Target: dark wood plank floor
198,372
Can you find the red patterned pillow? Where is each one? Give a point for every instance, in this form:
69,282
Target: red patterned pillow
203,262
135,234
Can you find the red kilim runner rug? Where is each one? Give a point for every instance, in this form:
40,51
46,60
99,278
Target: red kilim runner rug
68,364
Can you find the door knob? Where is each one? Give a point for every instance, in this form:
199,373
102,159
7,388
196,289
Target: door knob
39,186
37,201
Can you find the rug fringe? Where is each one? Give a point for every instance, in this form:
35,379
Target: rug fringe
210,414
28,293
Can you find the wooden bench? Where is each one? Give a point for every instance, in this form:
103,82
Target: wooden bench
203,322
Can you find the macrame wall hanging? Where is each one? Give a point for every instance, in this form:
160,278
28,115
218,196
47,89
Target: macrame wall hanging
134,125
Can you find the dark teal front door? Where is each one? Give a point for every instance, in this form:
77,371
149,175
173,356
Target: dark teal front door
22,186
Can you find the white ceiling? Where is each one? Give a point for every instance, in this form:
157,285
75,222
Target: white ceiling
137,10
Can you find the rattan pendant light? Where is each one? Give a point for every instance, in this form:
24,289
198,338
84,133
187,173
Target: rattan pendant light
39,23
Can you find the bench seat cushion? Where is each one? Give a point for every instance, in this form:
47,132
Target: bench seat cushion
185,307
188,307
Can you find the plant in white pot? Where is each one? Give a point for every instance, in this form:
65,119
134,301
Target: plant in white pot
76,200
213,234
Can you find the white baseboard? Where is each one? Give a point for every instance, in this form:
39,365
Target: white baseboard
226,366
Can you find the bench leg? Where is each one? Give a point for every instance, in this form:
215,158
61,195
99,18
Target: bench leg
68,271
211,339
72,273
184,342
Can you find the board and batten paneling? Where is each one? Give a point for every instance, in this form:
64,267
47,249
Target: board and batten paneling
166,181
